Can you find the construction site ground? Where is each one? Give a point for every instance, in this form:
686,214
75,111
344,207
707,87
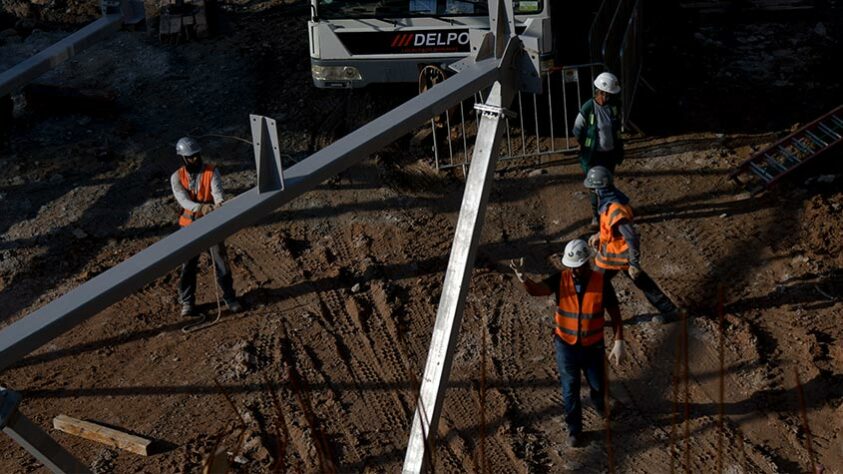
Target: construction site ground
341,286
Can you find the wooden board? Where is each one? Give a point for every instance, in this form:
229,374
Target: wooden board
102,434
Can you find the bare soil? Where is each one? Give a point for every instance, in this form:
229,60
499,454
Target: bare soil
341,286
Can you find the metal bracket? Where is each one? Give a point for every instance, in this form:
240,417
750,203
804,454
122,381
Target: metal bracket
9,401
267,154
529,75
110,7
494,111
132,11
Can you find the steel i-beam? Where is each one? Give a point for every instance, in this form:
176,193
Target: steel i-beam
79,304
34,439
114,14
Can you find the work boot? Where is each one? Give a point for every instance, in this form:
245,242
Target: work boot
234,306
575,440
187,310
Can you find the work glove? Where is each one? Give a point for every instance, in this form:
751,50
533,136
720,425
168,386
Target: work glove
204,209
594,241
517,267
618,352
634,272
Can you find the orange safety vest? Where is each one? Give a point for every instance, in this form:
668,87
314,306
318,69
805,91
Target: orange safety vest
580,322
613,253
202,194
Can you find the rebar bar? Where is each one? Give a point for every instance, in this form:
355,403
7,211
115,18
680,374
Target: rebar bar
805,425
722,388
607,411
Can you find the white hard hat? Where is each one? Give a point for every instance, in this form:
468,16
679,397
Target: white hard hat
576,254
188,146
607,82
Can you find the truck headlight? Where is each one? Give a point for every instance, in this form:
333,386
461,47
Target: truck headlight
335,73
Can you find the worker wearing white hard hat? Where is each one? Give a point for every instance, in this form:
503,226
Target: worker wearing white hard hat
582,296
597,128
198,190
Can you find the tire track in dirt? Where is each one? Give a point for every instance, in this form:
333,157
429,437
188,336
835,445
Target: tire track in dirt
529,431
654,414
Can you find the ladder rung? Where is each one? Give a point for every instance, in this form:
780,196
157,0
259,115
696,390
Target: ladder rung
828,131
775,164
802,147
814,138
760,172
789,155
837,121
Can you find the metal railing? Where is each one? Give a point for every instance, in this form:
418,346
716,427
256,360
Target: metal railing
540,125
616,40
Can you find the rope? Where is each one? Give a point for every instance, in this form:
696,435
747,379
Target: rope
201,322
232,137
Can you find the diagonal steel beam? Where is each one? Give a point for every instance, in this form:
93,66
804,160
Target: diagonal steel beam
32,438
24,72
69,310
460,264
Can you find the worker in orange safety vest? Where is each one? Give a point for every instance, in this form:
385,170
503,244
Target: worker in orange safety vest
617,242
582,295
197,188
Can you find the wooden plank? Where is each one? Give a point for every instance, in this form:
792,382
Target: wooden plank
102,434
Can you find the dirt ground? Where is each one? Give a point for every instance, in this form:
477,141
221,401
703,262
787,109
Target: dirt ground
341,285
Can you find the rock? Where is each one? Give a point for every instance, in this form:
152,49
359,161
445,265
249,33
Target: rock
79,233
244,359
724,215
537,172
821,30
241,459
826,178
355,288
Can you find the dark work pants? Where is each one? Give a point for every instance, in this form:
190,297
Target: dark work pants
571,360
651,291
607,159
187,280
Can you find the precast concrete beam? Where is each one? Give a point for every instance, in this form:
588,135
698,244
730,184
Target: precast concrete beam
449,314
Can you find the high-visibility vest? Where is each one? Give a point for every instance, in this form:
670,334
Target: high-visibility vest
202,194
588,135
613,252
580,322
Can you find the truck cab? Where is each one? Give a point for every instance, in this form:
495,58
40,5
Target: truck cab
357,43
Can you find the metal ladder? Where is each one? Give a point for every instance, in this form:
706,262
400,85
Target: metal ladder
766,167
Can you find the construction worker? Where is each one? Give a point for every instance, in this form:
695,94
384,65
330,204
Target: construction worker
597,128
582,295
198,190
617,242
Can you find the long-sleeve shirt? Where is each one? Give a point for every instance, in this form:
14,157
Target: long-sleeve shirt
183,197
551,284
605,134
631,238
624,226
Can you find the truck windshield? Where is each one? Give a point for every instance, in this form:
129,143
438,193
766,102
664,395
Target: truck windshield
338,9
